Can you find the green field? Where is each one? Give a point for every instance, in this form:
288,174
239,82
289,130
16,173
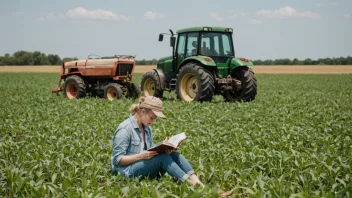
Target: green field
294,140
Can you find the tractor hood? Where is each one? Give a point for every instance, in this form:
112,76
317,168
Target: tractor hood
165,59
205,60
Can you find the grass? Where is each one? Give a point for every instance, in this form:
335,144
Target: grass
294,140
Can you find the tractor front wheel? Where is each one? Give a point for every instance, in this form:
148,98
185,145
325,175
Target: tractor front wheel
112,91
150,85
248,89
194,83
74,87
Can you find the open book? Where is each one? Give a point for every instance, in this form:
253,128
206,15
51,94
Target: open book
172,143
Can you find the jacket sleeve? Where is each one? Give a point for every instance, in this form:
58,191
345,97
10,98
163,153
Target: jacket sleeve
121,142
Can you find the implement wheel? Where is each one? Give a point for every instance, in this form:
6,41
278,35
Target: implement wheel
133,90
194,83
112,91
150,85
74,87
248,88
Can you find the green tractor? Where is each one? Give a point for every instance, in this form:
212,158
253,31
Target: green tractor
203,64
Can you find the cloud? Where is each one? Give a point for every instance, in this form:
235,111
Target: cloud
215,16
348,16
152,15
49,17
326,4
287,12
18,13
255,21
99,14
245,14
233,14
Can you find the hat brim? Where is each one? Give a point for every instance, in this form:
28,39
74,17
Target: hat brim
159,114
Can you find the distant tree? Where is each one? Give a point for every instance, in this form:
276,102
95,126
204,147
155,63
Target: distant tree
67,59
336,61
286,61
54,59
308,61
327,61
268,62
40,59
143,62
297,62
147,62
23,58
7,59
348,60
341,61
257,62
278,62
321,61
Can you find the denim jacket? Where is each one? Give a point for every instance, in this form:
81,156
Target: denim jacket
128,140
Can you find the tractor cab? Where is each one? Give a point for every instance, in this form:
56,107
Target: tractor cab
212,44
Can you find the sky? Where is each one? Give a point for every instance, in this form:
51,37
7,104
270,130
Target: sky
263,29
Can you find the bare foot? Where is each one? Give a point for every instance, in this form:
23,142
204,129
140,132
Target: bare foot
225,194
194,180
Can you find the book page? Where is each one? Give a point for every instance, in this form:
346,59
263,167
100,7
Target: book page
176,139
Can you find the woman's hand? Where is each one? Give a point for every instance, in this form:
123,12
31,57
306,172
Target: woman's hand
146,155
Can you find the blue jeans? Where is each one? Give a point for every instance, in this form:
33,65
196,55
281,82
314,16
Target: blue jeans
174,164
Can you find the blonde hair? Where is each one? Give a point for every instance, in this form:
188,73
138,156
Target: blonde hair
135,107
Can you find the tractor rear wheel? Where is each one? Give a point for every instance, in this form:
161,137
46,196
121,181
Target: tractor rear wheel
112,91
248,89
74,87
194,83
133,90
151,85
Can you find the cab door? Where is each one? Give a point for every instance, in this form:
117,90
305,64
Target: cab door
187,46
181,49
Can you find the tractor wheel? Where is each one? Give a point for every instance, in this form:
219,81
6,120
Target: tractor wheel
248,83
194,83
112,91
133,90
74,87
151,85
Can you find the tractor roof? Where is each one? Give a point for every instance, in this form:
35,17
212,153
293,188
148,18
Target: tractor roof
205,29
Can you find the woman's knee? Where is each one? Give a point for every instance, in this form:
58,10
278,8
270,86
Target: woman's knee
163,156
175,155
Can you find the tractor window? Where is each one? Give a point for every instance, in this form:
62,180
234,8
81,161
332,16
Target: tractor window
216,44
216,49
181,46
205,46
192,44
226,43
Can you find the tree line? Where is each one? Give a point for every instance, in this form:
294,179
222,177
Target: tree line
308,61
32,58
38,58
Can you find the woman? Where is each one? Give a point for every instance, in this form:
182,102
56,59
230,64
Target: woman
133,137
